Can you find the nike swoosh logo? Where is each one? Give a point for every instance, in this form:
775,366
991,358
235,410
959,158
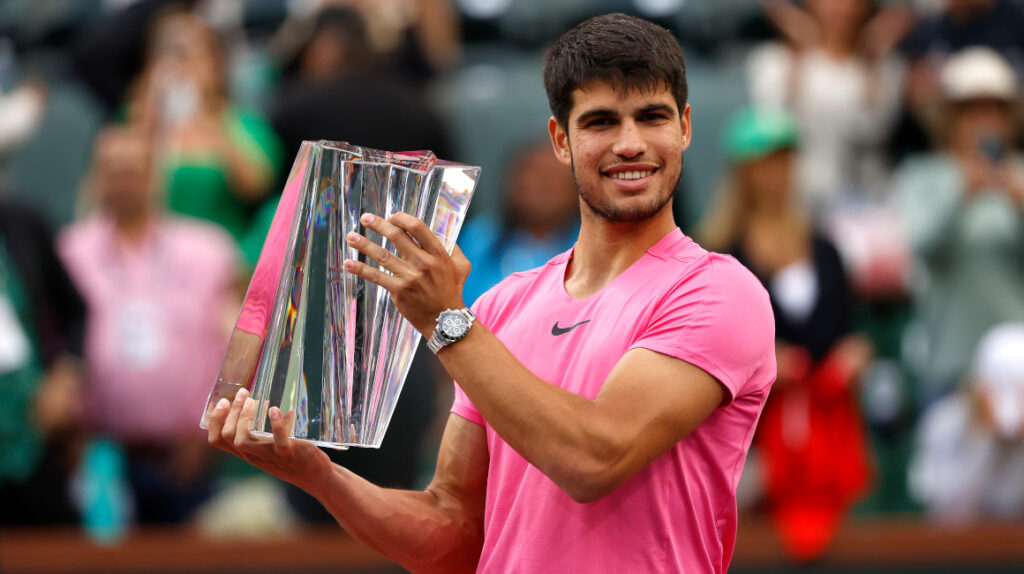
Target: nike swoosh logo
556,330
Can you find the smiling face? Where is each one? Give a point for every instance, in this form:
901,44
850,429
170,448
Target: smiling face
625,149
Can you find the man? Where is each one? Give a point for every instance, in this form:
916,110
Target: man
41,324
968,462
958,25
157,290
606,400
962,208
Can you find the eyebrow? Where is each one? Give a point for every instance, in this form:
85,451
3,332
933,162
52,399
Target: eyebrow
658,108
608,112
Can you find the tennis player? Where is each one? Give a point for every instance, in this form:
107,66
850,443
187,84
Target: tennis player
606,400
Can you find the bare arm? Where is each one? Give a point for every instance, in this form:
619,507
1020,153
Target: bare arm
437,29
250,175
588,447
436,530
248,170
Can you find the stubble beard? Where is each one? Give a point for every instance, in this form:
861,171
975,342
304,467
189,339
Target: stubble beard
608,211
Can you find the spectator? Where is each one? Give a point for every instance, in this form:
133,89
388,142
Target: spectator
540,220
218,160
969,462
811,438
419,37
996,24
339,95
836,72
962,207
414,39
41,322
108,52
158,290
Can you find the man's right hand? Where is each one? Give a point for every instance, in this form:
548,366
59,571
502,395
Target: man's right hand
296,461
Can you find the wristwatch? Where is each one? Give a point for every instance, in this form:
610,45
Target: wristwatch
452,326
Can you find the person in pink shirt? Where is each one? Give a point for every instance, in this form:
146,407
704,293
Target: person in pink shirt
158,291
605,400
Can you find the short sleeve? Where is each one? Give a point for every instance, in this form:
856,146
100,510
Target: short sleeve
465,407
720,320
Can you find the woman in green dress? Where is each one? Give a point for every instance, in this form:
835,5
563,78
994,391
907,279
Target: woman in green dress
218,161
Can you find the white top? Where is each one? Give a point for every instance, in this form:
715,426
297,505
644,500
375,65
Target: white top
842,130
959,471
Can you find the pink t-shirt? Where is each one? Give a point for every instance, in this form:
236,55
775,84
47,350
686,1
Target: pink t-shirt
155,329
678,514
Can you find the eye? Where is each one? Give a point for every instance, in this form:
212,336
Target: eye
653,117
600,122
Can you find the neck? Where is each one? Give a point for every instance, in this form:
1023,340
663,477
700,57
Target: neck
606,249
131,228
837,47
775,240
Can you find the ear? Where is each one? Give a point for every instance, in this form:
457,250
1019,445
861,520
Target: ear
686,127
559,141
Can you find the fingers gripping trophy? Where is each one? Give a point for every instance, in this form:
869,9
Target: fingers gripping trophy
322,351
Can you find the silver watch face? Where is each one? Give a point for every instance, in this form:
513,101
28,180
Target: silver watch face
453,324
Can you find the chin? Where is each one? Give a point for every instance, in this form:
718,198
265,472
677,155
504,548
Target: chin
631,210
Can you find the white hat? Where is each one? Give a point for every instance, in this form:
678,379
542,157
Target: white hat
976,73
999,373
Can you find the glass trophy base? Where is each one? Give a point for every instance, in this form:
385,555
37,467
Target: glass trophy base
320,443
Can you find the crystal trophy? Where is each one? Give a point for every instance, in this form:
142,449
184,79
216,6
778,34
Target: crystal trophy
313,337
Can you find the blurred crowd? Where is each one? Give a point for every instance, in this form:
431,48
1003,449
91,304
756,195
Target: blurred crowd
866,162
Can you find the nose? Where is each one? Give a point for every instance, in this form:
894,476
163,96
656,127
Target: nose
629,142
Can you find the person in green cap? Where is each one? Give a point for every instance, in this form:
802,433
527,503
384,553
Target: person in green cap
812,415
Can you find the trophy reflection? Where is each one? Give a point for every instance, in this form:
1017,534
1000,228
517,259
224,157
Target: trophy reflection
314,338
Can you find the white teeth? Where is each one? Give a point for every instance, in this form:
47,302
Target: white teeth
631,174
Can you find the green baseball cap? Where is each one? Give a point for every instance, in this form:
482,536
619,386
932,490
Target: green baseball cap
753,133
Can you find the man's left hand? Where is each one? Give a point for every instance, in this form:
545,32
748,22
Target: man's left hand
423,280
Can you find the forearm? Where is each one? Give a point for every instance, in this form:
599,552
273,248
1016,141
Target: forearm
424,531
249,169
250,177
440,530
